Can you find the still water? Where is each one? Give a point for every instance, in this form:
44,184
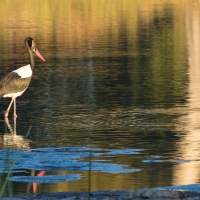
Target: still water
119,75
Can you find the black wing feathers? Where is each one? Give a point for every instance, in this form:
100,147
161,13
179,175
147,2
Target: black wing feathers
12,83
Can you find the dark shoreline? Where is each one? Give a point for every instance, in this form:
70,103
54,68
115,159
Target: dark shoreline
185,192
69,195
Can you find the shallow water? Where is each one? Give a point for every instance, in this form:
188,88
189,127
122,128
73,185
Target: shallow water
119,75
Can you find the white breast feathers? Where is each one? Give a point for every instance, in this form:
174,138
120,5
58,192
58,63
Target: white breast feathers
24,72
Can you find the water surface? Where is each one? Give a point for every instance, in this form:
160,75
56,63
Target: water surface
120,75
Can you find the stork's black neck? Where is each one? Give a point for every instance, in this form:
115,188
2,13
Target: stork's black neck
31,58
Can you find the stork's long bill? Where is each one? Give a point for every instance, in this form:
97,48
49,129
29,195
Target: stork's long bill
34,48
39,55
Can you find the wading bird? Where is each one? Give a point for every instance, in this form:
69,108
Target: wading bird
16,82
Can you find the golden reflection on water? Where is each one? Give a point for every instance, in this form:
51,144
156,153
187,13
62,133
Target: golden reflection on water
188,146
78,24
116,182
94,28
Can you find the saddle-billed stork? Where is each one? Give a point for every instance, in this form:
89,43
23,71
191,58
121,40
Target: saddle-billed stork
16,82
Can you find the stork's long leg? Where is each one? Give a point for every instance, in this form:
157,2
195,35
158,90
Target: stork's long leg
8,109
15,115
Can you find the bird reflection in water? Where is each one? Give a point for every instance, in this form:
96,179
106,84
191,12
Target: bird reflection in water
41,173
14,141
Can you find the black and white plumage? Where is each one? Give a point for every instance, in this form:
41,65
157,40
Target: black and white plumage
16,82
